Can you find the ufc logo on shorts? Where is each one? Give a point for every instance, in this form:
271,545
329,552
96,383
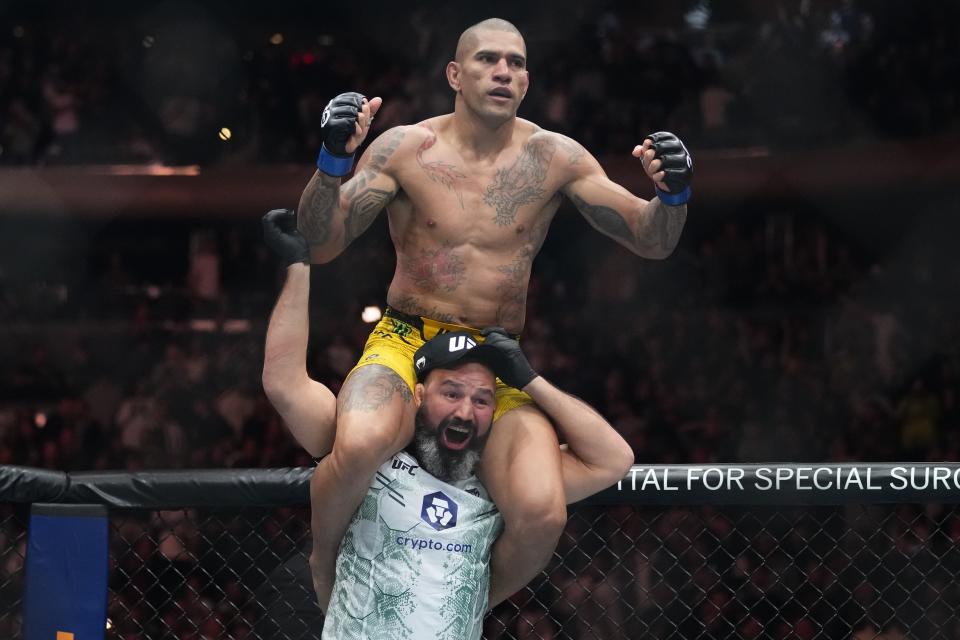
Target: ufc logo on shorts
459,343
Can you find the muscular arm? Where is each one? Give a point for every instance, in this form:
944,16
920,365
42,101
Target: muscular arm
650,229
306,406
596,456
331,215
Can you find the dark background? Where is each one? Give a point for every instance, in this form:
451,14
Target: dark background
810,312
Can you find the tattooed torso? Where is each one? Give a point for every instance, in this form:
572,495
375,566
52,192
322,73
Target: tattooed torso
466,230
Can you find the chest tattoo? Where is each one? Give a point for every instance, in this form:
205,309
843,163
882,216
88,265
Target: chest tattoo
441,172
513,288
521,183
415,306
436,270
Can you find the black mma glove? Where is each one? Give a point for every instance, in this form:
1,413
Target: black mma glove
337,124
513,367
280,233
676,164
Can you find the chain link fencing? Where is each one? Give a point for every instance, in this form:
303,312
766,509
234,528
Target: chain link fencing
853,571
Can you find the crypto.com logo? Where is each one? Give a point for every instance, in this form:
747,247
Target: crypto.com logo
439,511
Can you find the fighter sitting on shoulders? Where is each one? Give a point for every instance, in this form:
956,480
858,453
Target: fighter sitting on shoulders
469,198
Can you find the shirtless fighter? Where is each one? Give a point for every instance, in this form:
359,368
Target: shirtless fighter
469,196
414,562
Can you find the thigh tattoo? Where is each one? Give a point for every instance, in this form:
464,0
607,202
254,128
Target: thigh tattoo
371,388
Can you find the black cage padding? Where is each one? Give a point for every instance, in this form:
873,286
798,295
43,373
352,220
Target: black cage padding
26,484
664,485
196,488
226,488
786,552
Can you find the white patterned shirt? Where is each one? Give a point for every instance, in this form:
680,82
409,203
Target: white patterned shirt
415,561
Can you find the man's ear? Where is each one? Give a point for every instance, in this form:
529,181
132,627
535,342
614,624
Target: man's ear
453,75
418,394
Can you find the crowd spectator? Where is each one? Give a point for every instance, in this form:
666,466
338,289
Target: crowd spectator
842,360
733,368
742,347
133,84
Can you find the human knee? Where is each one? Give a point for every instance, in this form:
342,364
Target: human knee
622,462
548,523
539,516
365,446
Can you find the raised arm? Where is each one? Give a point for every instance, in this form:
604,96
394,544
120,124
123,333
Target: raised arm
307,407
595,456
650,229
331,214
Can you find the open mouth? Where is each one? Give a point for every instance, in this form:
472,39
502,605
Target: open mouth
501,92
456,437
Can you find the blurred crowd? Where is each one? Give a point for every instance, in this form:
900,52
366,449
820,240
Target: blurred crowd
771,338
208,83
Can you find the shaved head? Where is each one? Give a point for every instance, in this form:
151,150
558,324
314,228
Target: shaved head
471,37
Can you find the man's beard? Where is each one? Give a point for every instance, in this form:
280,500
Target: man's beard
439,461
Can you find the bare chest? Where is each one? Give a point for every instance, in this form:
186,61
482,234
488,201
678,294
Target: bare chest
493,202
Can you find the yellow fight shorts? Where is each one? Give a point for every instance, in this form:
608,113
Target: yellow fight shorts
396,338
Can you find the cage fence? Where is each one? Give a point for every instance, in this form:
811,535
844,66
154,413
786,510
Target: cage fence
619,571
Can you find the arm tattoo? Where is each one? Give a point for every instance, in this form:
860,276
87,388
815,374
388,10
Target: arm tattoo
440,172
657,238
413,306
662,232
538,232
366,202
314,222
436,270
522,182
383,148
606,220
370,388
573,148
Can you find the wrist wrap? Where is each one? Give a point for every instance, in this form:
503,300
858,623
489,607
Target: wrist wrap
333,164
674,199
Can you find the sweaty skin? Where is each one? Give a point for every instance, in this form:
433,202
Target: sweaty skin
471,263
469,197
467,217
